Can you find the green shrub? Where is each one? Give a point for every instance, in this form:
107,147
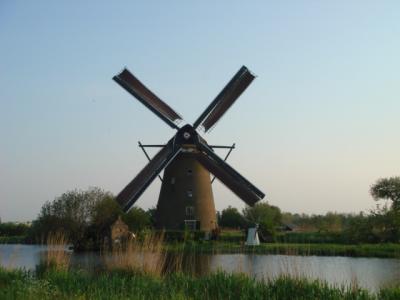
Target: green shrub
183,235
13,239
311,237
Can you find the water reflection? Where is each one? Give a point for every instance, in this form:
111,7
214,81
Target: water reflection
370,273
195,264
21,256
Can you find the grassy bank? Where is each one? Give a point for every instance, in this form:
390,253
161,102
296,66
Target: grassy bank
208,247
310,243
362,250
143,270
135,285
13,239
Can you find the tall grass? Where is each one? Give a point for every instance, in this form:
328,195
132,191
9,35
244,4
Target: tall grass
147,255
57,256
134,285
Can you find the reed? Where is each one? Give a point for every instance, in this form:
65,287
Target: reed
146,255
127,285
57,256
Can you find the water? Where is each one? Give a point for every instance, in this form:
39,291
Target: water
369,273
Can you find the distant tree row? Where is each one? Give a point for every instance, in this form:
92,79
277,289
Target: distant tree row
381,224
86,216
13,229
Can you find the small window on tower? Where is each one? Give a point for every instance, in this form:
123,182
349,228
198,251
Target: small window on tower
189,211
190,224
172,180
189,193
189,172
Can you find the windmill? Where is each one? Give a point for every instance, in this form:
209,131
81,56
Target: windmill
186,198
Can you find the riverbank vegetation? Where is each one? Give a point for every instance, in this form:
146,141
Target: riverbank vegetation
143,269
122,284
14,233
19,239
362,250
85,218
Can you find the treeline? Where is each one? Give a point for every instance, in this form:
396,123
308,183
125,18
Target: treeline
85,218
13,229
380,225
377,226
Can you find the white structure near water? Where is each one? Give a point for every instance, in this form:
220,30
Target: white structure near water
252,237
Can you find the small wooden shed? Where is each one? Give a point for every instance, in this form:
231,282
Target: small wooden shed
119,231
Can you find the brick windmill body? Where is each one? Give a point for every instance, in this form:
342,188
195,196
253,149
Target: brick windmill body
186,197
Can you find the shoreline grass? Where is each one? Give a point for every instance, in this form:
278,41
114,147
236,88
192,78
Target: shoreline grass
119,284
384,250
139,270
13,239
362,250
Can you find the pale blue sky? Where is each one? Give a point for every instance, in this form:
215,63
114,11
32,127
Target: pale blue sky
315,129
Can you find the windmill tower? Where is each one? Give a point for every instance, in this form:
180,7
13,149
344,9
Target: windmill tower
186,197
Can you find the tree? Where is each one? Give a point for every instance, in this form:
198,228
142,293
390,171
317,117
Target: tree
330,222
105,213
267,216
388,220
231,217
389,189
152,212
360,229
72,213
137,219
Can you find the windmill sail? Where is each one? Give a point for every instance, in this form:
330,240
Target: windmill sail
225,99
228,176
128,196
133,86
